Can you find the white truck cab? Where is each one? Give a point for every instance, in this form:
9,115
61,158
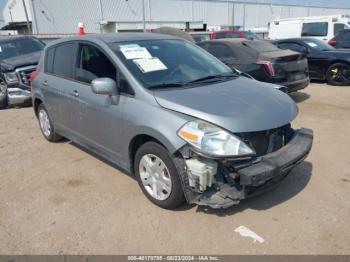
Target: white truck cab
321,27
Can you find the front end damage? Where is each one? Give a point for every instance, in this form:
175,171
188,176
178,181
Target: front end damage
223,182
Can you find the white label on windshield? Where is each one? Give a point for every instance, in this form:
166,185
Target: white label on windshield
311,44
134,52
150,64
0,49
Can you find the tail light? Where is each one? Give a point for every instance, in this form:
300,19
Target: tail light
332,42
33,75
268,66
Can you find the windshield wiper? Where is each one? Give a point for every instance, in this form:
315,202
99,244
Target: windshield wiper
165,85
209,77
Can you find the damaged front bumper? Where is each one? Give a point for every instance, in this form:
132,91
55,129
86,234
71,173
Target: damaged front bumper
256,177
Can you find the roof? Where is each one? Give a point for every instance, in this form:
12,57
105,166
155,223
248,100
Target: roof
116,37
7,38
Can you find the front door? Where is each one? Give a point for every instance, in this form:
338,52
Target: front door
100,122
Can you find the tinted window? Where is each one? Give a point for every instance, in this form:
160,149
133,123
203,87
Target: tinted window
92,63
252,36
200,38
260,46
293,46
49,60
64,60
220,35
317,44
20,47
219,50
315,29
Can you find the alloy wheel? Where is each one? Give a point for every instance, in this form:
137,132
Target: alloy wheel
44,123
155,177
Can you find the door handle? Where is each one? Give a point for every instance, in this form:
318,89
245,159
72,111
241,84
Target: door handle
45,83
75,93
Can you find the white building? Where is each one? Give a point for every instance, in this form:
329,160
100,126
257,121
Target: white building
62,16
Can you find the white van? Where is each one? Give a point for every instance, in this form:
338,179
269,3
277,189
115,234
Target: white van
321,27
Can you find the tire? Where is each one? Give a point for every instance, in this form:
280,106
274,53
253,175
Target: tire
46,126
3,95
338,74
169,198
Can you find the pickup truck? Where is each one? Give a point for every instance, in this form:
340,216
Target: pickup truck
19,56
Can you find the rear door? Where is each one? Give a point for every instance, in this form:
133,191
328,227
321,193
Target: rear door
56,85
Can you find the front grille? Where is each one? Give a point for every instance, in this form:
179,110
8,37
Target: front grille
24,74
264,142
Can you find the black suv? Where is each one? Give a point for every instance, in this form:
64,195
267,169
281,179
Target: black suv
341,40
19,56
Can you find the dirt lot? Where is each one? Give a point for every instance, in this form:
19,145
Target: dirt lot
58,199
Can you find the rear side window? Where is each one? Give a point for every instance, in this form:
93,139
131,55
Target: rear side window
260,46
63,60
293,46
49,60
315,29
221,35
219,50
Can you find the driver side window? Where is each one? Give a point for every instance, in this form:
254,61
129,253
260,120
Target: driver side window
92,63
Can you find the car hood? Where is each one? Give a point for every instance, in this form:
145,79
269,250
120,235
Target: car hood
11,64
238,105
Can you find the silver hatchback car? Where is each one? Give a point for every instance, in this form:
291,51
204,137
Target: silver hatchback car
168,112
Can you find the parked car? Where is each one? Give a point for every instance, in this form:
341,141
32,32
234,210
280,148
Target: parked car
320,27
200,36
341,40
19,56
262,60
325,62
234,34
166,111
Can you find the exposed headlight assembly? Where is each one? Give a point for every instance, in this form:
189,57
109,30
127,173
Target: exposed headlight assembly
11,77
212,140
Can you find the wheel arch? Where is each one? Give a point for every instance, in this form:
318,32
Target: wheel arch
138,140
36,102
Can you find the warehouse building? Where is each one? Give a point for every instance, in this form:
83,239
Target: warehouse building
61,17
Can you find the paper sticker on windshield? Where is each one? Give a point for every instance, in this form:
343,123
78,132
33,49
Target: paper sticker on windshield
0,49
147,65
134,52
311,44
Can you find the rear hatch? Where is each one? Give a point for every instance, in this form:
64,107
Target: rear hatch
288,65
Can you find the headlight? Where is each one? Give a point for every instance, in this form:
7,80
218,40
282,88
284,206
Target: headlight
213,140
11,78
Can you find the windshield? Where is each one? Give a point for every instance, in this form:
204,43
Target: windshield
20,47
166,62
318,44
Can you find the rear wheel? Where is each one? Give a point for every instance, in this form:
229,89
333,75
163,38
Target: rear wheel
46,126
157,176
338,74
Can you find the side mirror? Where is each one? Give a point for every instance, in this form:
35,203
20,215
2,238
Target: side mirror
106,86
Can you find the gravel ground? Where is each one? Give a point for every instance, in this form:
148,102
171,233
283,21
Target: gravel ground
59,199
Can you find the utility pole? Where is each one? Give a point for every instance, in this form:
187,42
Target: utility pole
27,19
143,16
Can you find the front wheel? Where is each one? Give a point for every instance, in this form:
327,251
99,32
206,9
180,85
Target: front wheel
338,74
157,176
3,95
